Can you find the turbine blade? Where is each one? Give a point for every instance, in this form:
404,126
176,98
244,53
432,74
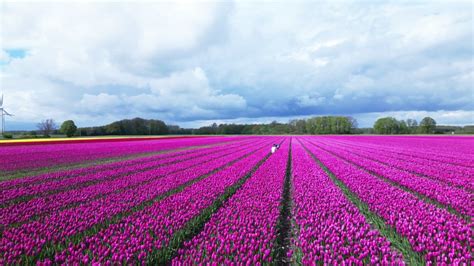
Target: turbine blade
7,113
1,101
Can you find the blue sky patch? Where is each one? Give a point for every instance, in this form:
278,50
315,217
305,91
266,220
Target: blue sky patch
16,53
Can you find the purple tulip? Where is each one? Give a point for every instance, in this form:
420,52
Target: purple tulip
247,220
411,217
21,157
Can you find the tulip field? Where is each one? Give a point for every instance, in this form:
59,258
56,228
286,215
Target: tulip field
328,200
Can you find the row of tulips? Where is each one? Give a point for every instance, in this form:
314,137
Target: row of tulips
436,234
443,149
90,177
330,229
58,175
22,211
16,158
459,199
454,175
30,240
243,231
444,144
134,237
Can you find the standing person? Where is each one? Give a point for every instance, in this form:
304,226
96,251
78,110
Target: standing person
274,148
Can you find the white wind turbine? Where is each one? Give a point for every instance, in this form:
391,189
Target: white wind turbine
3,113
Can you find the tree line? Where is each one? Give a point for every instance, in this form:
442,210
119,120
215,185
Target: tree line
140,126
390,125
136,126
312,126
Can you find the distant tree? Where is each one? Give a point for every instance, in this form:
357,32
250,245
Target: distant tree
69,128
249,129
448,129
469,129
114,128
298,126
157,127
386,125
412,126
353,124
205,131
140,126
402,127
312,126
427,125
214,128
330,125
365,130
232,129
211,130
174,129
47,127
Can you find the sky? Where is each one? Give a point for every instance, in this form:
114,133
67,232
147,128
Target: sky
192,63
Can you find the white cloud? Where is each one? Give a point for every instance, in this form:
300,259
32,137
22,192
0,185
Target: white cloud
4,57
181,95
100,103
187,94
217,60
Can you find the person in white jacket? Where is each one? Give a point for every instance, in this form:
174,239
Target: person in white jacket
274,148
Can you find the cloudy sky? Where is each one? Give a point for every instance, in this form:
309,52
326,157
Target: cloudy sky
195,62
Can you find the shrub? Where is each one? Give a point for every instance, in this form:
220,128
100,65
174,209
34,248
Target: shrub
7,136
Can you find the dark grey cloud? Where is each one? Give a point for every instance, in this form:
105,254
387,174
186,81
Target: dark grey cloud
203,61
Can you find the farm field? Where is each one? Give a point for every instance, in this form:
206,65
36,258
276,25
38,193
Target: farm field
228,200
